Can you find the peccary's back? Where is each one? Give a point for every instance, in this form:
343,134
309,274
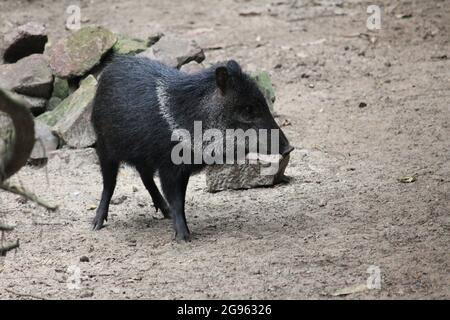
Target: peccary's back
125,115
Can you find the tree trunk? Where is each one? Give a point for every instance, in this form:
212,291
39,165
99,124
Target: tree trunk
18,143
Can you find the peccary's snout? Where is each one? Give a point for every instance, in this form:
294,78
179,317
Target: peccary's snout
285,151
285,146
277,141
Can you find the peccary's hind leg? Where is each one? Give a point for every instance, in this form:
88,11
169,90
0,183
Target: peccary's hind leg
109,172
174,182
158,201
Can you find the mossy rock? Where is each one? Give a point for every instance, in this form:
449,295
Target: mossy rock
82,97
60,88
127,45
75,55
262,79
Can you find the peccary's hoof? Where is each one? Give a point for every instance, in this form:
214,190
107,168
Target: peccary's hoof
163,208
183,237
166,213
97,224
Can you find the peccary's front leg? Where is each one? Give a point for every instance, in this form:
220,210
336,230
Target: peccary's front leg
174,183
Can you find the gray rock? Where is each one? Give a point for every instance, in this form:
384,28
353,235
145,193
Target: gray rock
70,120
151,40
76,129
81,51
24,41
37,106
46,141
29,76
245,176
147,54
174,51
192,67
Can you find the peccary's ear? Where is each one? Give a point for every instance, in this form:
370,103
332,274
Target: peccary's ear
234,67
222,78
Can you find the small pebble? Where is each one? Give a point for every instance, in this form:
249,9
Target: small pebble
362,105
87,294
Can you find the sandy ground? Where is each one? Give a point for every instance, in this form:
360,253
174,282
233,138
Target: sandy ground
344,209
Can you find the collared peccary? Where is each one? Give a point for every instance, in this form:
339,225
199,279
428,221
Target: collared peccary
139,104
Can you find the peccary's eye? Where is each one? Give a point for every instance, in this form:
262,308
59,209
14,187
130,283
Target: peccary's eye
248,110
246,113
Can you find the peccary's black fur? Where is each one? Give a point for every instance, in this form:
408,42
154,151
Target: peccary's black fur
138,104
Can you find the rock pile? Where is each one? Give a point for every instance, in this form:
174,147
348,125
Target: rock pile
58,81
24,41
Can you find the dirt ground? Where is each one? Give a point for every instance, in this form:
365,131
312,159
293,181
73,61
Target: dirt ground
365,107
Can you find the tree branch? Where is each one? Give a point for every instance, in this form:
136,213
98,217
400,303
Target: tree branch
25,295
28,195
9,247
4,227
19,143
